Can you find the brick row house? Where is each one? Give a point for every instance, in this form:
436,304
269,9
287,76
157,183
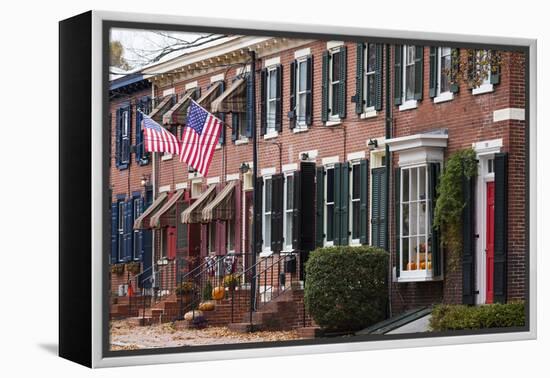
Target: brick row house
352,138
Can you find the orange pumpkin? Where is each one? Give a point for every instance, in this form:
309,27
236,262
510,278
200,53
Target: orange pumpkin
411,266
218,293
207,306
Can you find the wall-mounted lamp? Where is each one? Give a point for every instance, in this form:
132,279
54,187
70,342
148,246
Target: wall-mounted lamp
191,169
244,168
144,180
373,144
304,156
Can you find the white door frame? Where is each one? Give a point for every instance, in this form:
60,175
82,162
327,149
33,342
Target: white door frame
485,151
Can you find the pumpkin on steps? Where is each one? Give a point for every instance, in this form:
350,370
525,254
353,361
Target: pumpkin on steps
192,314
207,306
218,293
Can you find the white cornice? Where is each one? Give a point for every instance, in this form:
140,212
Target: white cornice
418,140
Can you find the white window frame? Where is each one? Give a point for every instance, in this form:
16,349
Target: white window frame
368,109
354,164
287,245
196,189
331,116
418,274
271,102
447,95
485,86
301,124
266,247
326,242
120,234
230,235
411,103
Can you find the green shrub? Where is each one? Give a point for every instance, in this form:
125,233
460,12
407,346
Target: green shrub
346,287
456,317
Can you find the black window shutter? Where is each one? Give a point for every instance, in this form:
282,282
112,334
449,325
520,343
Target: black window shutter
378,210
501,227
378,78
292,96
309,92
126,159
359,78
364,202
398,74
114,232
147,256
277,187
139,135
118,136
325,87
397,192
433,71
344,204
495,69
249,105
306,189
222,117
468,241
297,213
337,202
343,81
235,121
320,205
433,173
128,230
278,101
263,103
418,72
455,67
258,212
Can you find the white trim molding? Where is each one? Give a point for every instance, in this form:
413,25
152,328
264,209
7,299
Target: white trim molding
302,52
483,88
330,160
408,105
268,171
356,155
213,180
442,97
232,177
419,148
272,61
334,44
218,77
166,156
506,114
487,146
290,167
165,188
169,91
181,185
312,155
191,85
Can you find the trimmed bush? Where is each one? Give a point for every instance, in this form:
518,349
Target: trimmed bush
456,317
346,288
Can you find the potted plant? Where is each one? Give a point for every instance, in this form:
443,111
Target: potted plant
117,269
133,267
185,291
231,281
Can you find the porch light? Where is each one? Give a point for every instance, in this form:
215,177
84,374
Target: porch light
191,169
244,168
304,156
373,144
144,180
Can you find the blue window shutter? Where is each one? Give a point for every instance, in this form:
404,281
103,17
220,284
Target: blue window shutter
118,135
320,206
249,105
114,232
433,71
419,72
128,230
263,103
397,193
500,279
309,91
139,134
222,115
344,204
338,168
147,244
343,82
378,76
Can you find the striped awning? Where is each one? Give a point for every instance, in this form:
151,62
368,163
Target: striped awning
142,221
206,99
161,108
178,113
193,214
155,221
233,99
221,207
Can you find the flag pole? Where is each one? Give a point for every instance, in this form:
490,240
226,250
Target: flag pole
252,117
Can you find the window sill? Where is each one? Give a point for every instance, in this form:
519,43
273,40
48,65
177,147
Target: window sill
218,146
328,244
287,251
443,97
300,129
166,157
369,113
271,135
416,276
408,105
355,243
266,253
333,122
239,142
484,88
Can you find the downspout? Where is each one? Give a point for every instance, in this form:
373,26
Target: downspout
389,123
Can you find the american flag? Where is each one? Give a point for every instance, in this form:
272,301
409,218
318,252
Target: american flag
200,136
157,138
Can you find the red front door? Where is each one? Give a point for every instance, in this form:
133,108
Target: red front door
490,240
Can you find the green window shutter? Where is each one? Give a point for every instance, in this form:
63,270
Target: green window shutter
378,210
320,205
433,173
118,133
378,79
343,81
418,72
309,92
305,187
455,67
292,96
278,100
364,201
337,202
344,204
398,74
468,242
258,214
495,70
433,71
359,78
297,211
501,227
325,87
397,192
263,103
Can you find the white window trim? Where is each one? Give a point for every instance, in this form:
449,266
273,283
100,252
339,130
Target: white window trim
333,120
271,132
330,161
375,162
353,242
302,53
268,63
286,247
191,85
367,109
486,86
369,113
213,180
300,125
356,155
181,185
165,188
312,155
218,77
169,91
270,135
441,96
406,104
325,204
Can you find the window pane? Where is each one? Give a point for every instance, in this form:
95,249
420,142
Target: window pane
413,218
405,189
422,218
267,195
336,66
356,205
288,229
405,216
267,233
409,90
413,254
290,192
302,76
330,185
272,84
330,222
182,231
445,69
405,253
335,99
371,57
370,90
301,108
356,178
414,184
422,183
271,115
